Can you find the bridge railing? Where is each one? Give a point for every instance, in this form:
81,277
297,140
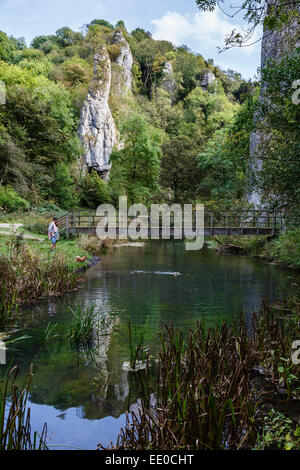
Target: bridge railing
246,219
241,222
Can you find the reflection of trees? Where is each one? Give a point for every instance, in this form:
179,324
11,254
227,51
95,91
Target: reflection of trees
95,384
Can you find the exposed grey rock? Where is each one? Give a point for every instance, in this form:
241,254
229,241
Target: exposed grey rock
274,45
122,77
168,81
97,128
207,79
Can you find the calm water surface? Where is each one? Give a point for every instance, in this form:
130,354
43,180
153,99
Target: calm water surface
84,399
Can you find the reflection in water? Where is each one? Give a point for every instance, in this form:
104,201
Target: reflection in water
84,397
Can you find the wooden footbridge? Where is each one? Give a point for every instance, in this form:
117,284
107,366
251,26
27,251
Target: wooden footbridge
237,223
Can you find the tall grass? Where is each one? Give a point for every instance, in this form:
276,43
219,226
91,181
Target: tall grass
25,275
8,307
15,428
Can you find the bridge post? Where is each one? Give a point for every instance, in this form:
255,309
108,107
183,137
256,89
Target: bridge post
74,222
211,223
89,222
273,223
67,227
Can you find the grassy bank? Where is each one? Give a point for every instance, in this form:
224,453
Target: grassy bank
283,250
29,270
223,388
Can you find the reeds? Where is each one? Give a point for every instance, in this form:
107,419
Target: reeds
206,396
15,428
25,276
138,352
87,327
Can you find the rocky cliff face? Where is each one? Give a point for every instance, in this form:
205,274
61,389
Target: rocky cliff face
122,59
168,81
97,128
208,79
274,45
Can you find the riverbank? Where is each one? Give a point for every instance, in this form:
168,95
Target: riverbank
29,270
283,250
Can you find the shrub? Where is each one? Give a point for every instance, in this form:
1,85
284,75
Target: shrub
286,248
93,244
63,187
38,225
10,200
94,191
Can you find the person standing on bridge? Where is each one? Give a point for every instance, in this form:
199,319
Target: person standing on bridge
53,233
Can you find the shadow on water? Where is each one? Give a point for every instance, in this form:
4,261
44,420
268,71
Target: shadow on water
84,399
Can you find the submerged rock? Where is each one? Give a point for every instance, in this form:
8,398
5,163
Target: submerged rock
97,128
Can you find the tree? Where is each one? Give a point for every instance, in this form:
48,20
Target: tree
62,187
151,56
140,34
135,168
272,14
66,37
100,22
179,168
94,191
224,160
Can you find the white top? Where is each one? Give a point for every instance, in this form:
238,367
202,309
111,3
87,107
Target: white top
52,229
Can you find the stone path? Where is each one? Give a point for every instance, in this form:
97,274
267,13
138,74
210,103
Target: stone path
13,229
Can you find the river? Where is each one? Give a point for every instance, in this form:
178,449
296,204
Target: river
84,399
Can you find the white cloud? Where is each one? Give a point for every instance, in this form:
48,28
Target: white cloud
208,29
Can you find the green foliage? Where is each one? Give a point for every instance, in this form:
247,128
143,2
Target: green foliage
140,34
10,200
94,191
8,46
224,160
46,86
179,169
279,433
285,249
62,188
151,56
136,167
104,23
188,69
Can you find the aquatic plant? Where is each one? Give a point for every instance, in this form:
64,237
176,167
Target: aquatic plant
85,326
139,354
15,428
50,331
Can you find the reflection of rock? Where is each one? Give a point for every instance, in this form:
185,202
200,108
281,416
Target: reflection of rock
122,389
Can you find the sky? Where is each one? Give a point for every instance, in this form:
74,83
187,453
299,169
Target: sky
178,21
